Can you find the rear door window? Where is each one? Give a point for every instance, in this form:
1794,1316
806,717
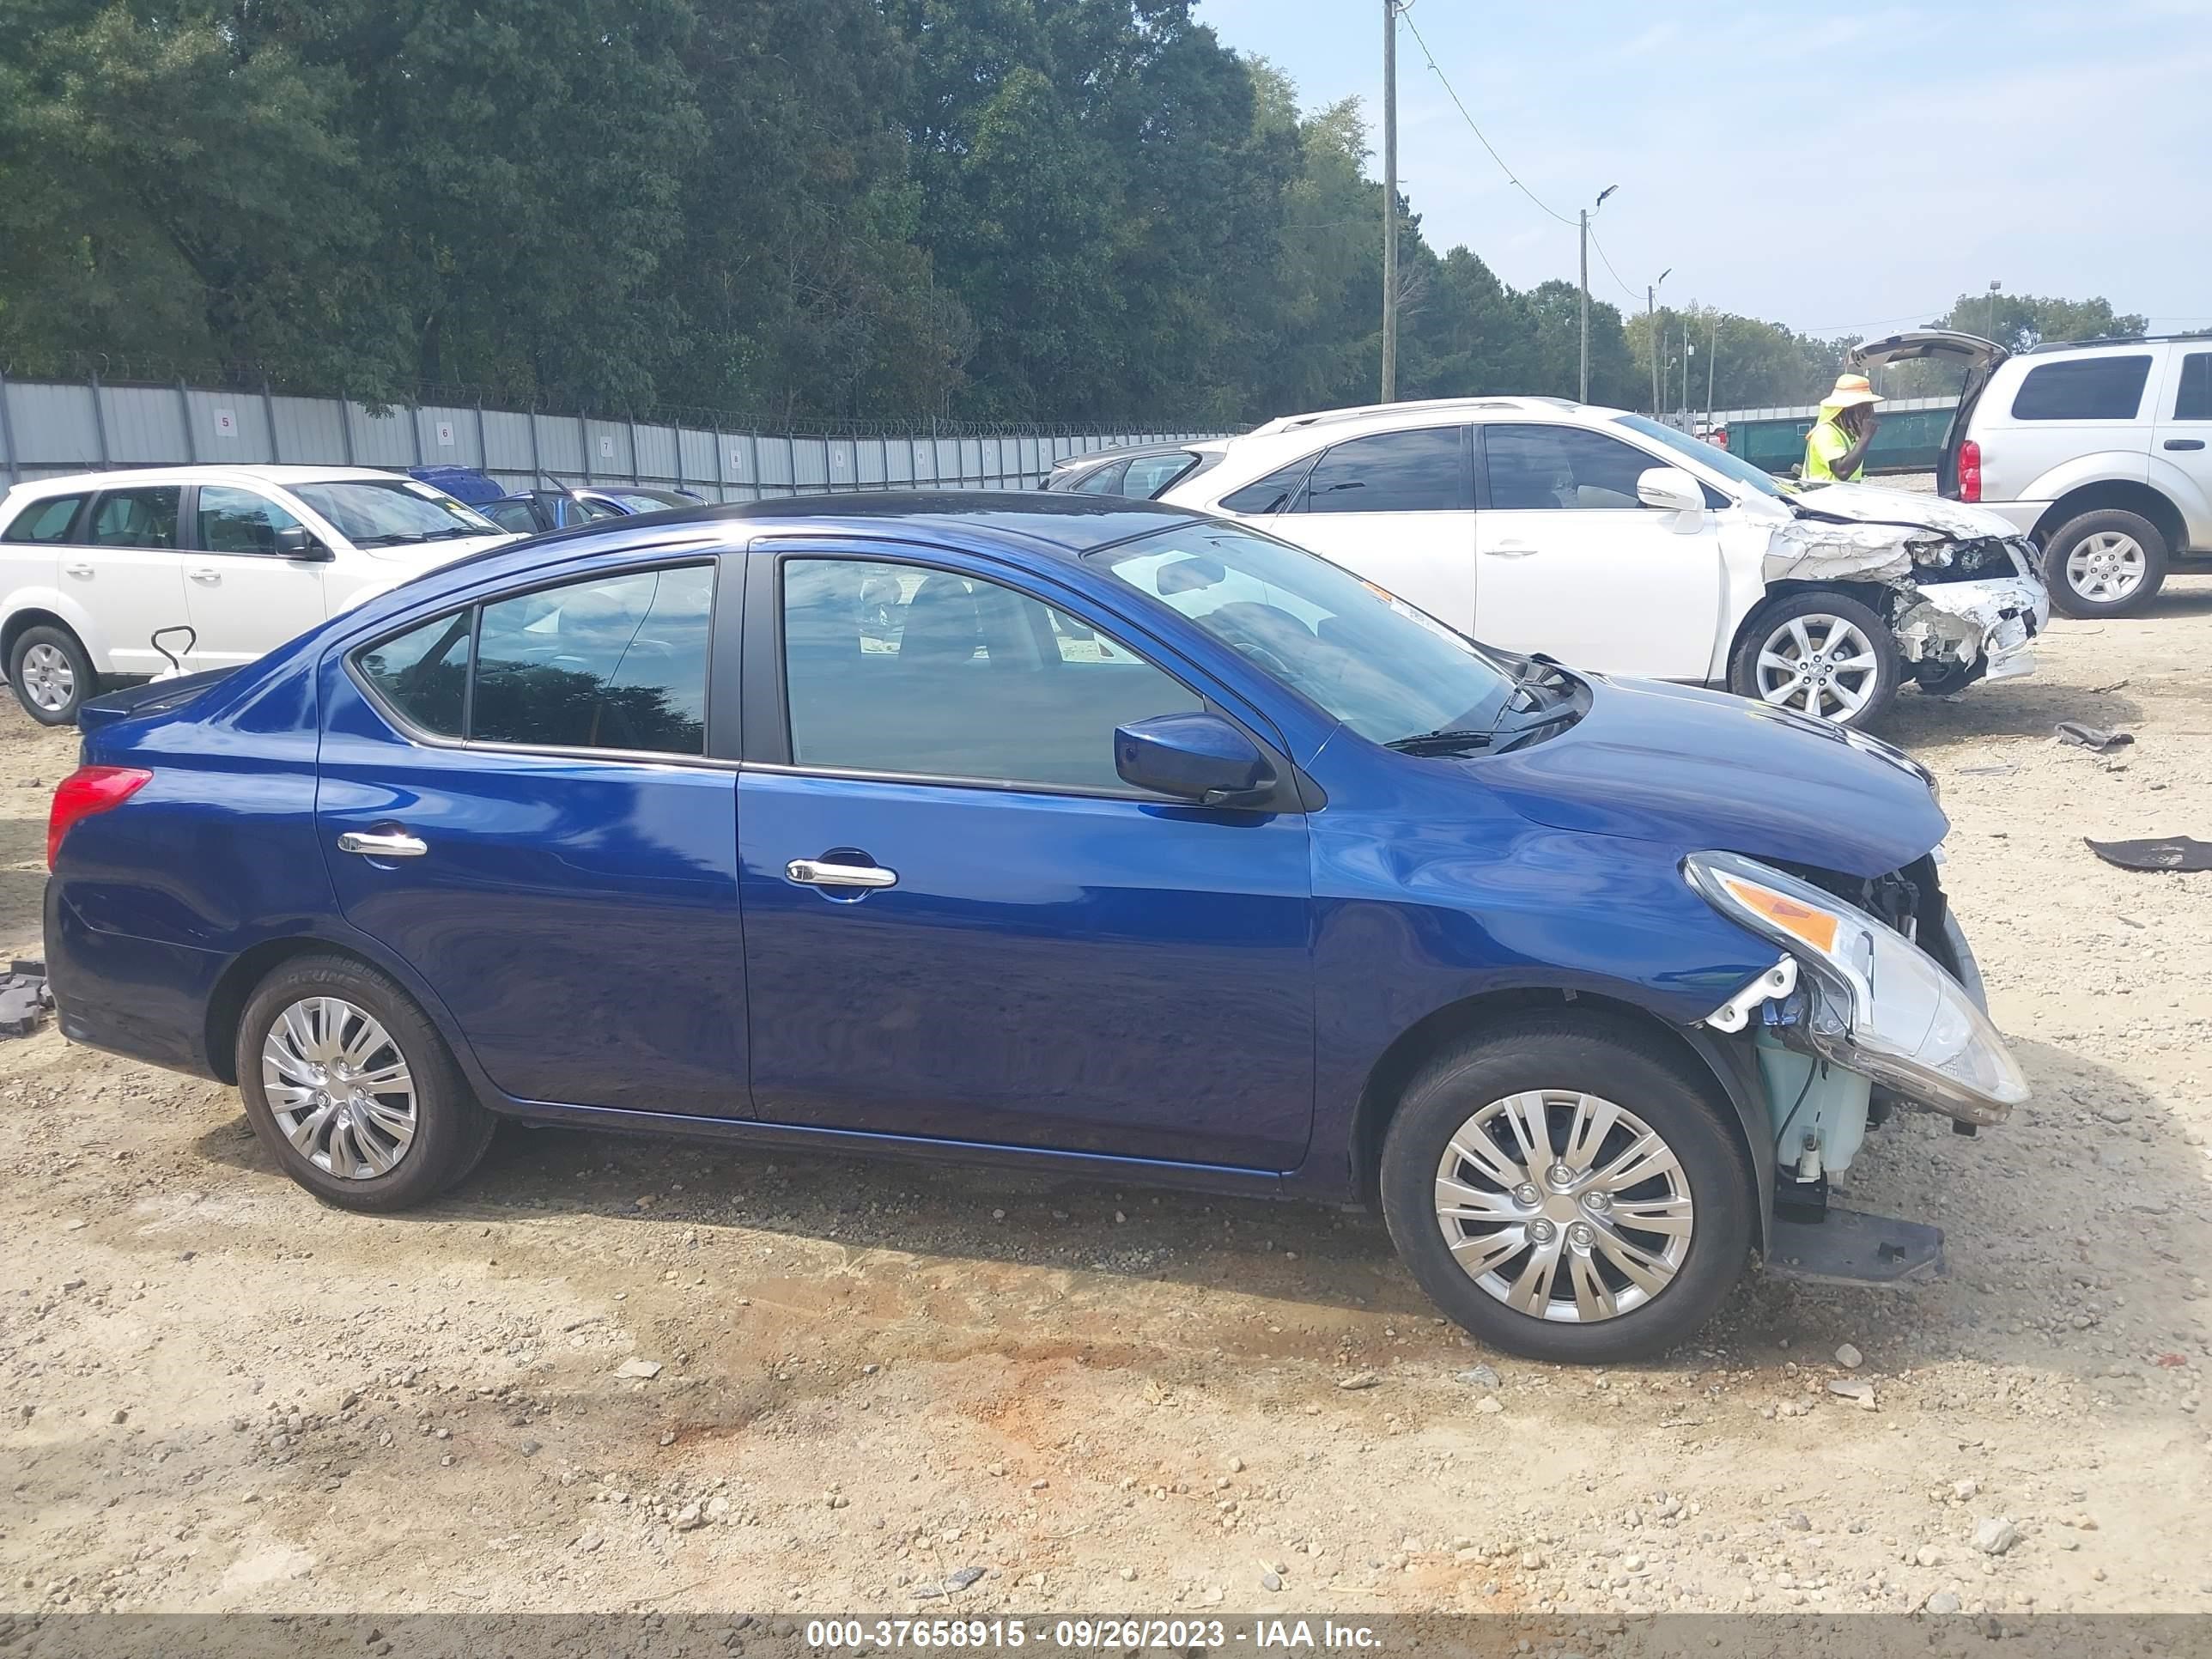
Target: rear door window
137,517
2193,402
48,520
2084,389
1423,471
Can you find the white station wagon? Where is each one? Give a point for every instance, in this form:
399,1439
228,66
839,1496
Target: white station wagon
1610,542
226,562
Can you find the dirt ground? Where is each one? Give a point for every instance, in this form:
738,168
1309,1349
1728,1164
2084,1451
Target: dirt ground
881,1386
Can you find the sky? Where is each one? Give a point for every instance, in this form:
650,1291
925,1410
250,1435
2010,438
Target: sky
1839,168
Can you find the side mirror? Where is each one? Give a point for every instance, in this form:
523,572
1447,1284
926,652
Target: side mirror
1199,757
293,542
1671,490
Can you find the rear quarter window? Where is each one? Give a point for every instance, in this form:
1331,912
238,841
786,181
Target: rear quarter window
2085,389
48,521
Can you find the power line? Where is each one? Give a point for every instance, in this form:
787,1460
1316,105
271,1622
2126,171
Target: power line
1450,93
1599,246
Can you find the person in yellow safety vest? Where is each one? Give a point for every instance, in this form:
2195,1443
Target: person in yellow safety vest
1837,446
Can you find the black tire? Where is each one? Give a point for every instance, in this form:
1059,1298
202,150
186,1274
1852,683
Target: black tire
50,643
1776,617
1568,1051
2104,522
452,1129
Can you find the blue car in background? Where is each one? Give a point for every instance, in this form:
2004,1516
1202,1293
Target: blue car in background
533,512
1064,831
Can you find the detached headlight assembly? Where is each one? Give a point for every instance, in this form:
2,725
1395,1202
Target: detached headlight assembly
1882,1007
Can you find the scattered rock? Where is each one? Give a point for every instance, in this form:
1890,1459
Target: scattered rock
1491,1403
1271,1581
1797,1521
1963,1490
1928,1556
1358,1380
1479,1376
960,1577
644,1370
1943,1602
1848,1357
1995,1535
691,1518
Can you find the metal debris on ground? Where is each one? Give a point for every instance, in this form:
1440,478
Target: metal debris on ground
25,1001
2165,853
2094,738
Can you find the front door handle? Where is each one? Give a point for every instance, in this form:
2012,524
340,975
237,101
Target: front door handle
2185,443
814,872
201,573
1510,550
79,569
381,844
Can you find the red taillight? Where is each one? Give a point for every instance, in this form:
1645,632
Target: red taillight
1969,471
89,790
1720,436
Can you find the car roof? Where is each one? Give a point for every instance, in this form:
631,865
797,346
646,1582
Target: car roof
1127,452
207,472
1290,438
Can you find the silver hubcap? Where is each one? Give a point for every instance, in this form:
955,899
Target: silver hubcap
48,679
2106,567
1563,1206
338,1087
1822,666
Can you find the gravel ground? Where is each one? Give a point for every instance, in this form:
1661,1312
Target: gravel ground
610,1374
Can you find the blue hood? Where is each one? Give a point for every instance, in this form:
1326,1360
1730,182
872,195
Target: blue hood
1698,770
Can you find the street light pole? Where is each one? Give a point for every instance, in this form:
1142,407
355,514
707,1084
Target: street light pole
1390,201
1994,286
1583,381
1651,326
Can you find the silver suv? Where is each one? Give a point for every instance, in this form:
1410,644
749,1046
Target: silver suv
2098,450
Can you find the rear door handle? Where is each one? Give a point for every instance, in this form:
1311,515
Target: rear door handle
80,568
378,844
2185,443
1510,550
813,872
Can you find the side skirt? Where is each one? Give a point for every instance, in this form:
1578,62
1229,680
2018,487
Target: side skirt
790,1138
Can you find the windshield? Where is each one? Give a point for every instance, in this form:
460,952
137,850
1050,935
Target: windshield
1384,669
1706,455
388,513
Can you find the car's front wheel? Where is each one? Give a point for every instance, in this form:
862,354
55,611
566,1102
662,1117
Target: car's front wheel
1822,653
352,1088
52,674
1566,1189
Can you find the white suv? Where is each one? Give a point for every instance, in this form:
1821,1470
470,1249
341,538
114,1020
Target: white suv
2097,450
1611,542
228,561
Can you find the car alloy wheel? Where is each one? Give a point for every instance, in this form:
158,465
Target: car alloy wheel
1820,665
1563,1206
48,679
2106,566
339,1088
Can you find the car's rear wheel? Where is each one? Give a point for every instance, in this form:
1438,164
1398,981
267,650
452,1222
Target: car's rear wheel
1822,653
351,1089
2105,563
52,674
1567,1190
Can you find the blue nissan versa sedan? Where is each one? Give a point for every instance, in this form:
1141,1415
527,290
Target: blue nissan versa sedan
1059,830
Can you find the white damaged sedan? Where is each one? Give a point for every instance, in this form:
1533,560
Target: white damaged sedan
1614,542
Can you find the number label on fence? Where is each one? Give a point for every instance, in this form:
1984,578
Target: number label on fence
226,423
446,434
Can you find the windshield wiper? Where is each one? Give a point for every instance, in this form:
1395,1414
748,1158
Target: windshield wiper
379,541
1445,742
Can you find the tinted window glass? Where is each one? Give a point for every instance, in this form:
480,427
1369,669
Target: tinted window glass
512,515
1273,494
2194,401
1560,467
2086,389
1391,472
43,521
423,673
617,662
901,669
1104,481
1148,474
239,521
137,517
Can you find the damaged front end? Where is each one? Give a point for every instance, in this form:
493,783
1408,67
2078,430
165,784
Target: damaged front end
1960,591
1875,1003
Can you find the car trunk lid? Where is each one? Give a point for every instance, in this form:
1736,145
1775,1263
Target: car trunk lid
1978,358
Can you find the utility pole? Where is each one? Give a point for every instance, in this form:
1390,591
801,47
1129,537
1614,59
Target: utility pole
1390,201
1651,325
1713,361
1582,382
1994,286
